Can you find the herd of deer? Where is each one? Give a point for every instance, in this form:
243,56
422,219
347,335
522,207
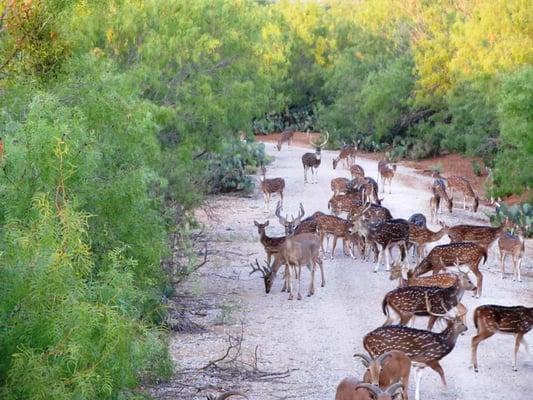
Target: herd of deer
369,228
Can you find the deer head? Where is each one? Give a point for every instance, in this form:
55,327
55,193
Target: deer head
318,147
261,227
374,366
290,225
455,322
266,272
380,394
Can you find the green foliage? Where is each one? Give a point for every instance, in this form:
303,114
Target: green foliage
519,214
476,168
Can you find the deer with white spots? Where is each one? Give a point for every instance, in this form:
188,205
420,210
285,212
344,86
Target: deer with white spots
440,194
453,254
346,155
461,184
482,235
271,186
424,348
285,137
514,246
356,171
489,319
339,185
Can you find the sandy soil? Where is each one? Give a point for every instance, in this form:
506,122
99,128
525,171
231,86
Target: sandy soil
314,339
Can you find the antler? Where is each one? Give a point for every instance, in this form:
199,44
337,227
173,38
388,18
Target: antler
301,213
264,270
224,396
365,359
325,141
282,221
428,306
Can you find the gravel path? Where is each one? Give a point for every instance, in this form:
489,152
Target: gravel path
315,338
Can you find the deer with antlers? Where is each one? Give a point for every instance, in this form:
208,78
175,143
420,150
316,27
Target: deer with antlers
289,224
352,389
514,246
440,194
453,254
356,171
424,348
490,319
387,369
294,252
482,235
407,301
346,155
271,186
285,137
311,161
461,184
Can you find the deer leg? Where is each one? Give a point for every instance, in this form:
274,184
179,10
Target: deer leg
431,322
405,318
435,366
380,254
289,282
281,196
464,201
316,175
418,378
312,285
299,278
334,245
388,256
483,334
518,266
322,242
305,174
321,265
502,264
285,274
390,186
519,337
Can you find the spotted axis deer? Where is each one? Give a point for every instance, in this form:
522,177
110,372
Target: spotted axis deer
285,137
381,165
420,236
440,194
344,203
295,252
312,160
356,171
491,318
271,186
387,369
335,226
461,184
405,302
372,213
387,173
424,348
370,191
482,235
339,185
514,246
352,389
346,155
271,244
453,254
385,235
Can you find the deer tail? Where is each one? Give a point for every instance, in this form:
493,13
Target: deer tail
384,306
484,253
476,314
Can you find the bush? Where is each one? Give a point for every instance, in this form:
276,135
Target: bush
519,214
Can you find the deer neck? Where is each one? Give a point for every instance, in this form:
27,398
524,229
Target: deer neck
422,268
449,335
438,235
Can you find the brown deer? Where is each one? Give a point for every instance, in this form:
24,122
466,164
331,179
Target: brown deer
490,319
381,165
514,246
440,194
271,186
407,301
385,234
461,184
448,255
339,185
420,236
295,252
370,191
356,171
290,225
332,225
372,213
271,244
387,173
482,235
285,137
347,155
312,160
344,203
352,389
387,369
424,348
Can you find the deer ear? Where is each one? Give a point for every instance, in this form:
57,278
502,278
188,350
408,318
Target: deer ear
266,223
256,223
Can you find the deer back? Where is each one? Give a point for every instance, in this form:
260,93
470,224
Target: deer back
448,255
311,159
514,319
412,299
339,184
512,244
483,235
357,171
334,225
272,185
388,232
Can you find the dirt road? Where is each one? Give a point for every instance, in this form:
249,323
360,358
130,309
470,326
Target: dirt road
315,338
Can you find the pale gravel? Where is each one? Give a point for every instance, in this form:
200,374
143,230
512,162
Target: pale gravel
317,336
